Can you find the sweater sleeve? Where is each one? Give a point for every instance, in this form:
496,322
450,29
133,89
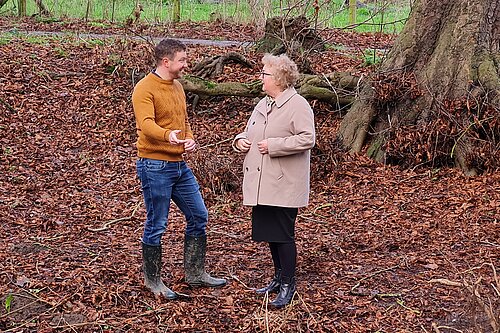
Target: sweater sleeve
142,101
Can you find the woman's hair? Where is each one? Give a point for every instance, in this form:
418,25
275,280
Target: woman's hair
283,69
168,48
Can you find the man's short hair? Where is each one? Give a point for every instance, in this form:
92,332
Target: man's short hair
168,48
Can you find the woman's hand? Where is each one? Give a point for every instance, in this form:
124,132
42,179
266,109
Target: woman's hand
243,145
262,145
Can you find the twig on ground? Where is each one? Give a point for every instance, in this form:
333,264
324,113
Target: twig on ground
106,225
321,207
216,143
7,105
447,282
73,326
402,304
437,328
408,178
30,320
266,311
372,275
211,231
490,243
310,219
305,305
237,279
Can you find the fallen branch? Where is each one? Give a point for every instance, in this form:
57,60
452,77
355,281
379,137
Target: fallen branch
321,207
311,219
437,328
216,144
370,276
211,231
24,306
106,225
447,282
55,75
402,304
237,279
53,307
214,66
490,244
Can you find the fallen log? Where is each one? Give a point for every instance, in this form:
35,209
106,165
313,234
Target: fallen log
337,89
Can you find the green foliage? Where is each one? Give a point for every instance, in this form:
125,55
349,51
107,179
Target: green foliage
371,57
61,52
5,39
38,40
43,19
94,42
8,302
375,17
384,16
114,62
99,24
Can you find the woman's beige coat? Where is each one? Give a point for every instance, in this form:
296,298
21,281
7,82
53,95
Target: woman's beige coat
281,177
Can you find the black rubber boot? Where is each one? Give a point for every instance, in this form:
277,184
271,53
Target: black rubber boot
194,263
152,271
287,290
273,286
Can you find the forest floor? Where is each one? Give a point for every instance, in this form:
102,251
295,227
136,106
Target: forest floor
380,248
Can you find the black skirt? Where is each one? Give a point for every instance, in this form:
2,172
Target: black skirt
273,224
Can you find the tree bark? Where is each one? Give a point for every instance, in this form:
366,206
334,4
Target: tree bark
451,50
293,36
176,11
21,7
41,8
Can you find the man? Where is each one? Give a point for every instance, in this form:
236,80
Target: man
164,135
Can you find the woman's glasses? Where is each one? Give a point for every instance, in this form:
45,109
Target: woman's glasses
264,74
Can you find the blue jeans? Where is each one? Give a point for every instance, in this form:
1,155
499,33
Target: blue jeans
162,181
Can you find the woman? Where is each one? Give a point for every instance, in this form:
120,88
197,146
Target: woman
277,141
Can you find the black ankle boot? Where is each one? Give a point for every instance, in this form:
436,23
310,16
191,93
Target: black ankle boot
273,286
287,290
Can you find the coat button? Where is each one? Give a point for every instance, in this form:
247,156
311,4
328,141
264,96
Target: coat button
246,169
258,169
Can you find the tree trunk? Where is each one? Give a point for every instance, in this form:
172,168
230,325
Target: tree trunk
352,12
293,36
176,12
88,11
435,99
41,8
21,7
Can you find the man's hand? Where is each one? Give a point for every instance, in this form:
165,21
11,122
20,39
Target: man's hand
189,145
243,145
172,138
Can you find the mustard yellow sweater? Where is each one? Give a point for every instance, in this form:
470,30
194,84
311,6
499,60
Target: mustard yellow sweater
160,107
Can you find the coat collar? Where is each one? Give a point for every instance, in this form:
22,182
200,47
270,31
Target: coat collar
285,96
279,101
